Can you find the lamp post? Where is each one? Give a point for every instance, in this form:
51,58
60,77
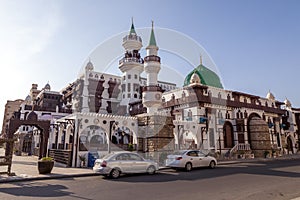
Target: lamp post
219,132
203,131
180,131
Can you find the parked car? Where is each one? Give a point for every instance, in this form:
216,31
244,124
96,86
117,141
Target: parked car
189,159
115,164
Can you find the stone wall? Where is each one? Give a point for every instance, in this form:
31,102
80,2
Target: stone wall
260,140
156,133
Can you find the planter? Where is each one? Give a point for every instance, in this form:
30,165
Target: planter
45,167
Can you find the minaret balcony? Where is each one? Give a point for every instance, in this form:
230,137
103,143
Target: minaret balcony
152,58
152,88
132,37
131,60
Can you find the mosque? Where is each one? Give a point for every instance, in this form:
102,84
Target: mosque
100,112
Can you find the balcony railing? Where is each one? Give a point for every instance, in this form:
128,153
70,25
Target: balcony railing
132,37
152,58
132,59
240,147
152,88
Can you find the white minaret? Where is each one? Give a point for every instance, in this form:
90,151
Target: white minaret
132,66
85,93
152,92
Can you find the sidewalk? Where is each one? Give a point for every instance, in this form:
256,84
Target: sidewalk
25,168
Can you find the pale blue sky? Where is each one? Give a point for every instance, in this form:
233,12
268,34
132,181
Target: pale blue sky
255,44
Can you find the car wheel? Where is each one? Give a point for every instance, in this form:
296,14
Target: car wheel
188,167
115,173
151,170
212,164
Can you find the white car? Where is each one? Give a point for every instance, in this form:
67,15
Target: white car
115,164
189,159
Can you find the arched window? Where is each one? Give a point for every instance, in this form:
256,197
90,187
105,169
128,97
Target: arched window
209,93
227,115
245,114
228,97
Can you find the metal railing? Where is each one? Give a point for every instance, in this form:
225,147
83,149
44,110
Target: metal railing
240,147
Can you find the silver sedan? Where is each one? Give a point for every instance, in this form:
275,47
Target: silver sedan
189,159
115,164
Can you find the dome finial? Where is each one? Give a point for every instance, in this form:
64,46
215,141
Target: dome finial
152,41
132,29
200,59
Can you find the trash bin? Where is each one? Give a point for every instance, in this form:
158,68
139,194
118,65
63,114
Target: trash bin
92,156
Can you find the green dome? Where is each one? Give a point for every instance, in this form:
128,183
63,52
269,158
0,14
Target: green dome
207,77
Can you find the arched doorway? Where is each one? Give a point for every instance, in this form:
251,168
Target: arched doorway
92,138
228,135
27,144
123,138
188,140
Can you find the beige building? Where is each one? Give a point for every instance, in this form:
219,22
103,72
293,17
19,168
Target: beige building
10,108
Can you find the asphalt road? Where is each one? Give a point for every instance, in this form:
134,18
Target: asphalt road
261,180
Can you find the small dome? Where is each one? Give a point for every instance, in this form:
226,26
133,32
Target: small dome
195,79
47,87
287,103
28,98
89,66
207,77
270,96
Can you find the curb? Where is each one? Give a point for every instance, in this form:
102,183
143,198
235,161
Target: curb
60,176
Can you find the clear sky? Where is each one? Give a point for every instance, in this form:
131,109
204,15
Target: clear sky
255,44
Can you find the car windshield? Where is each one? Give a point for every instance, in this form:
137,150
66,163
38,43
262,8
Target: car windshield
107,156
179,152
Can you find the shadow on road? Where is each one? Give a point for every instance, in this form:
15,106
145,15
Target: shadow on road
259,168
38,189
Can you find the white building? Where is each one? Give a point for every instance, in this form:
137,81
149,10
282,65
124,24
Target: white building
127,110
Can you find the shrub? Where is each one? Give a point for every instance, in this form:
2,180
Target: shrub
46,159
